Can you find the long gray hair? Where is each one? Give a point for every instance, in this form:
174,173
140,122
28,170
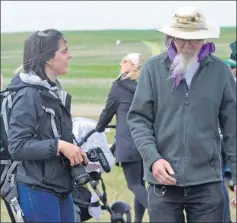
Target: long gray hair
168,40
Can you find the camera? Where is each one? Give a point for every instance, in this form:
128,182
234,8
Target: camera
79,173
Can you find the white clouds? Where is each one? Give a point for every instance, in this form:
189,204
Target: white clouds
84,15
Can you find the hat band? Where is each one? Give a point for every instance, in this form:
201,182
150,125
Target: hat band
188,28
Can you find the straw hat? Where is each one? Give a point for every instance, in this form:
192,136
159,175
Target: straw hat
190,23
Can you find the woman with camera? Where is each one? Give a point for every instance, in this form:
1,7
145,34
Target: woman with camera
40,131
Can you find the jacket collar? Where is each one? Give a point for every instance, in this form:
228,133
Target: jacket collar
54,92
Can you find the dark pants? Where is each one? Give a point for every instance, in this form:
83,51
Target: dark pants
39,206
133,172
202,203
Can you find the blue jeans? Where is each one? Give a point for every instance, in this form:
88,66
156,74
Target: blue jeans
40,206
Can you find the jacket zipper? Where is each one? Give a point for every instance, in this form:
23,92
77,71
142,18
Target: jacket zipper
183,135
184,124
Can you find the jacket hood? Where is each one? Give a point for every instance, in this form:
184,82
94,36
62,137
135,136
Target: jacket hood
128,84
29,79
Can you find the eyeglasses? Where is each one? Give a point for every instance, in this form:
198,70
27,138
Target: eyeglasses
191,41
126,61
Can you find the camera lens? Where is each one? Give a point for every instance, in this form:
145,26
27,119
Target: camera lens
82,179
80,175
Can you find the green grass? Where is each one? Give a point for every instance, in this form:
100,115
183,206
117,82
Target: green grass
88,94
96,56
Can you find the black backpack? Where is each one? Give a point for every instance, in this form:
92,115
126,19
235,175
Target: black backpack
6,102
6,98
8,166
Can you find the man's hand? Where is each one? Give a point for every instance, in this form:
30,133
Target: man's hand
163,172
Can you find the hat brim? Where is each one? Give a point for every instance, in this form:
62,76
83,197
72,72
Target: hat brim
230,62
211,32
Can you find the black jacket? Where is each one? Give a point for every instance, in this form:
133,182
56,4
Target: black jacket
118,103
31,138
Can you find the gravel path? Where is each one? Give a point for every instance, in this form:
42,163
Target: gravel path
87,109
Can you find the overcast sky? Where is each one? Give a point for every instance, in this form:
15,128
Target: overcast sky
89,15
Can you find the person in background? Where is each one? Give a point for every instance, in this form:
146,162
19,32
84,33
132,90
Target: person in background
118,103
231,62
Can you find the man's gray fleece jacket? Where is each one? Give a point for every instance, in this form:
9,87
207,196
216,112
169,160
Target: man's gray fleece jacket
182,126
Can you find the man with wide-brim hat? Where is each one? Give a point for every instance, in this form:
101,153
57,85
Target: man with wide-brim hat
182,96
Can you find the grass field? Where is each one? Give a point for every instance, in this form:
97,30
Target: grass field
96,58
95,64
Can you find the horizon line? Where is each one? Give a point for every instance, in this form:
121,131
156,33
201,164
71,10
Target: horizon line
93,30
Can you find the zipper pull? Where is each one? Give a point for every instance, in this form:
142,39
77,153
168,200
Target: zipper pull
186,98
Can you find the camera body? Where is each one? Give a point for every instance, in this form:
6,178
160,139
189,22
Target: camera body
79,173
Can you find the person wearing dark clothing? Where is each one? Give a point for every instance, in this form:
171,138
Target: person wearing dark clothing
126,153
231,62
40,131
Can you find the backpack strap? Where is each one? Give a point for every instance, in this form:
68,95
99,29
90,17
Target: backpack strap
10,171
10,194
12,168
8,99
15,206
53,124
7,164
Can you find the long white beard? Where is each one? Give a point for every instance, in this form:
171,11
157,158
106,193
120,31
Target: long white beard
181,63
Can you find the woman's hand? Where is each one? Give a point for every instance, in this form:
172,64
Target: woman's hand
72,152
